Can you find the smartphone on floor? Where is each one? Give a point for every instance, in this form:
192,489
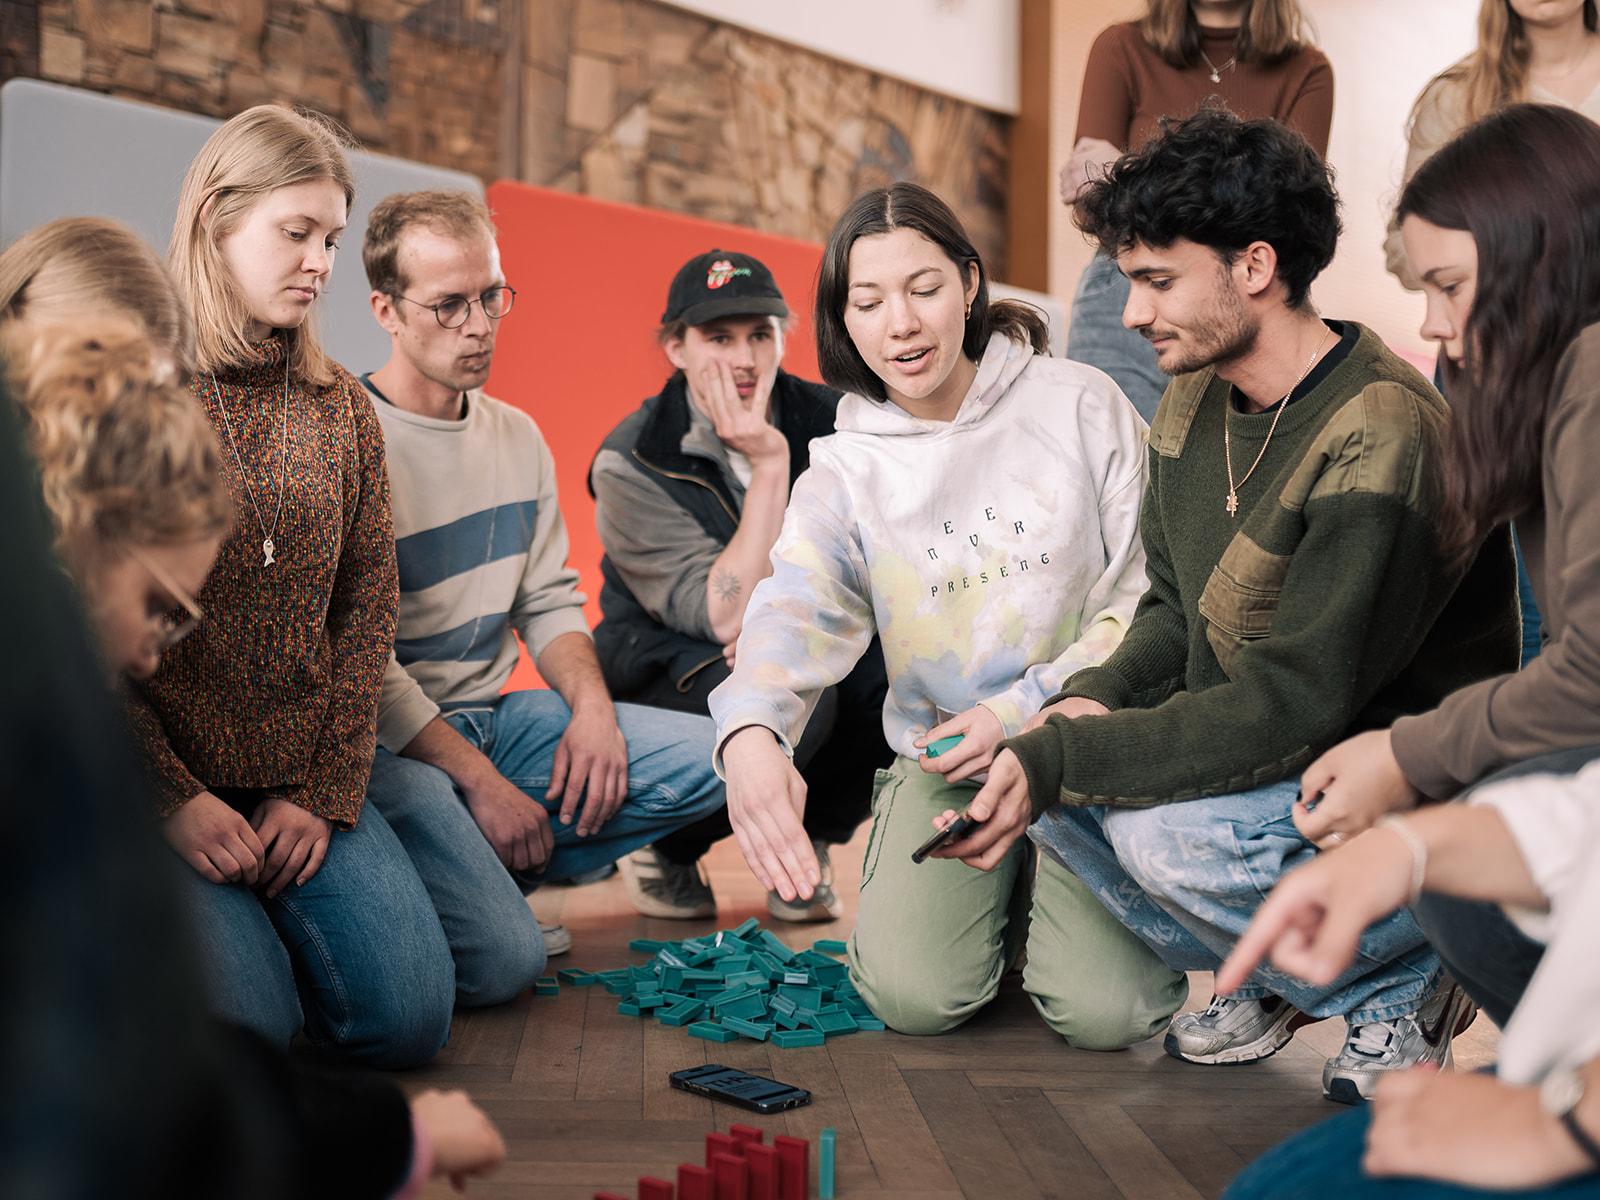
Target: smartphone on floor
755,1092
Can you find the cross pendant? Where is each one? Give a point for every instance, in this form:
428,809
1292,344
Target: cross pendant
269,549
1233,503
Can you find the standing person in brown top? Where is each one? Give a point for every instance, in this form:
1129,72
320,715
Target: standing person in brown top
259,727
1255,56
1503,229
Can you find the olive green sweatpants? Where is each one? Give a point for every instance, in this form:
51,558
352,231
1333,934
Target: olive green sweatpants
933,940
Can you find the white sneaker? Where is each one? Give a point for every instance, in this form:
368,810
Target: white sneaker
557,941
1376,1047
1233,1031
658,888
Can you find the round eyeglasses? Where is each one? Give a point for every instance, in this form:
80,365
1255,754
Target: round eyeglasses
454,311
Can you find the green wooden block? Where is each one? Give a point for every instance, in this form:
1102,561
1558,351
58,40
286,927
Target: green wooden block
831,975
619,989
575,977
829,946
548,986
698,976
681,1014
749,1029
775,946
647,945
748,1007
786,1020
747,927
710,1032
781,1003
803,997
870,1025
790,1039
836,1022
629,1009
799,978
857,1007
650,1000
810,959
729,995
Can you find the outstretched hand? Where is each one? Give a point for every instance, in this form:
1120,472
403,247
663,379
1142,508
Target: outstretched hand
766,804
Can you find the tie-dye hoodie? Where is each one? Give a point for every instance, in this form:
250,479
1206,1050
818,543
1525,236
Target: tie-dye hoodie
994,554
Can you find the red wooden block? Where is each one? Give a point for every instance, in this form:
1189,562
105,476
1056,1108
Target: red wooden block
794,1167
720,1143
694,1183
733,1177
746,1135
764,1172
651,1188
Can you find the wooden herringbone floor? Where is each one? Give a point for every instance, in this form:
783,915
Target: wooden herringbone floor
1000,1108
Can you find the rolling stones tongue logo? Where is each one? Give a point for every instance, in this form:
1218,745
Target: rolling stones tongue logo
721,271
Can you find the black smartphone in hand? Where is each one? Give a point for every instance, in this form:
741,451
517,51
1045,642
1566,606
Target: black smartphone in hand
953,832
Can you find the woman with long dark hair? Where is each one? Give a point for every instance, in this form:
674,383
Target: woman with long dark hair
1255,56
1503,228
977,510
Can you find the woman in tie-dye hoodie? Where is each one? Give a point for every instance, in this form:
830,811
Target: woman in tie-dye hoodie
977,509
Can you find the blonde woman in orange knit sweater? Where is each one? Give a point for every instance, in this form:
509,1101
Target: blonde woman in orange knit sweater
259,727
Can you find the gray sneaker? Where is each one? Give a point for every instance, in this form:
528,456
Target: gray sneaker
1376,1047
658,888
1233,1031
824,905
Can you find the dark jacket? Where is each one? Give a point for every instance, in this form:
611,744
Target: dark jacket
634,646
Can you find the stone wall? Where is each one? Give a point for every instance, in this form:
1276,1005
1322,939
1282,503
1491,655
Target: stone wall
620,99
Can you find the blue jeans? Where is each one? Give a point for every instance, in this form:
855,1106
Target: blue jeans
492,933
356,955
1324,1163
1098,337
1188,876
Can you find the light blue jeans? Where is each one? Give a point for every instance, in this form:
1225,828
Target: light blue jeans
492,933
1098,337
1187,877
356,956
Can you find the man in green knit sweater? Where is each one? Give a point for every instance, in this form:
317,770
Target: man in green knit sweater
1297,593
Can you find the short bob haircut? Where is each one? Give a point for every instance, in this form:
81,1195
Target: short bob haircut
1525,183
1223,183
906,206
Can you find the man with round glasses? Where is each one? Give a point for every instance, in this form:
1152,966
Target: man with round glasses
490,792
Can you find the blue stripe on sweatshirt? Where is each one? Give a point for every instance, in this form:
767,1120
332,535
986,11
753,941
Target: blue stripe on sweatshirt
433,555
479,640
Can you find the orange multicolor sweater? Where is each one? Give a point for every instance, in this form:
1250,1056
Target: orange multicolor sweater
278,688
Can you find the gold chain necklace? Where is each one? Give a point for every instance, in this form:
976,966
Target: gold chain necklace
268,548
1227,445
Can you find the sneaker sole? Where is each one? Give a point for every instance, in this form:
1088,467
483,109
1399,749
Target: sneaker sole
649,907
807,914
1276,1038
555,947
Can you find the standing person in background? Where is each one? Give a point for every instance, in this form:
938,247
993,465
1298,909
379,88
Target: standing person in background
690,492
1255,55
259,727
1542,51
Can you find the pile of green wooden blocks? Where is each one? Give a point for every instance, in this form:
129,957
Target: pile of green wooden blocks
738,983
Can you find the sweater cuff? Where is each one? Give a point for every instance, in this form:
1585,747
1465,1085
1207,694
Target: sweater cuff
1100,684
402,717
1042,761
1414,748
545,628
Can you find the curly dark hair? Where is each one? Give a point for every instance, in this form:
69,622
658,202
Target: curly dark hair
1221,182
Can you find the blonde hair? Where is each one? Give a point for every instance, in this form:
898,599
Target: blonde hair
458,214
125,455
260,150
1271,31
1495,74
77,268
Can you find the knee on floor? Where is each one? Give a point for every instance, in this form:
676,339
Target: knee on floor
1104,1020
918,1004
511,958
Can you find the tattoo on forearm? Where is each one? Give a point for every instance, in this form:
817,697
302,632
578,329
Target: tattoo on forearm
727,585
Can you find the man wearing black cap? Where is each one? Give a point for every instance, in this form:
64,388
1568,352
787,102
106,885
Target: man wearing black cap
690,493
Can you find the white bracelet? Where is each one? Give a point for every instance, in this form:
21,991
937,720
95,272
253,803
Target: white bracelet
1415,844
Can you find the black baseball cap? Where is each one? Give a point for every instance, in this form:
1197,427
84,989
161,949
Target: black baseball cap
722,283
